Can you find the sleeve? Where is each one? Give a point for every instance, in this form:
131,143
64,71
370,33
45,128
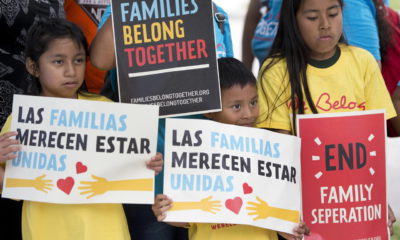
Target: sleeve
376,93
359,25
273,98
227,35
7,125
106,15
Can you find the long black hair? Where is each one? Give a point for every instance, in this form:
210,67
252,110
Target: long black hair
290,46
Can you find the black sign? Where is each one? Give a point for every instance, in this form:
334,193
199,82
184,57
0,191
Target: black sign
166,55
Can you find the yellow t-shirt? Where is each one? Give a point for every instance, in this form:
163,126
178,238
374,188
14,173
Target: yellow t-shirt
217,231
353,83
47,221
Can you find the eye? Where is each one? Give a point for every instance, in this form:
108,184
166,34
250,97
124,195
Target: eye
312,18
80,60
236,107
254,103
58,61
332,15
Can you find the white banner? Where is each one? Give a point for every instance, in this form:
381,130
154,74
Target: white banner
220,173
78,151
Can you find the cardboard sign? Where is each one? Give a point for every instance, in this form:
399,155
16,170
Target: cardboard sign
221,173
77,151
166,55
344,175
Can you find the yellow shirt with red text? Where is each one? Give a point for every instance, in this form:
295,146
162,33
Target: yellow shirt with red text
353,83
218,231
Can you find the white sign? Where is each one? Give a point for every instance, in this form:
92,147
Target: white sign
78,151
220,173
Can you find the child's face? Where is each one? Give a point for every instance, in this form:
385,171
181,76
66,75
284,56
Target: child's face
239,106
61,69
320,24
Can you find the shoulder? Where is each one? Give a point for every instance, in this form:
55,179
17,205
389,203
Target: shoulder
92,97
274,64
7,125
359,54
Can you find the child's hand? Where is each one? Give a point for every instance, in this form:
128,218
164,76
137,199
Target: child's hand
298,232
155,163
8,146
162,203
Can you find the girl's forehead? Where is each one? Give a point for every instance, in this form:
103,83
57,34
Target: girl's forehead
319,4
67,45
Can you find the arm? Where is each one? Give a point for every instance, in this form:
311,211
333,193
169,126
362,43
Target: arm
396,102
102,185
102,54
252,18
39,183
8,146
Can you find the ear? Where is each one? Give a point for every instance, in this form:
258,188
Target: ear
31,67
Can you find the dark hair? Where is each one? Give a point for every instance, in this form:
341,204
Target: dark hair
42,33
234,72
290,46
384,28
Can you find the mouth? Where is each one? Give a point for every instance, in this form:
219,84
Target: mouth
325,37
248,124
70,84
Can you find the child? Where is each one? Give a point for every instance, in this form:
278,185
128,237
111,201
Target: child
55,56
311,70
239,107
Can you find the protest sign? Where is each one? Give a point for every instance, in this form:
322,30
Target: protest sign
344,174
166,55
221,173
78,151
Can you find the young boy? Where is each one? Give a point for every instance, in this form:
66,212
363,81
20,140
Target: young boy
239,107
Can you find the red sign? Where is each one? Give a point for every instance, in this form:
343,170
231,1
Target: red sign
344,175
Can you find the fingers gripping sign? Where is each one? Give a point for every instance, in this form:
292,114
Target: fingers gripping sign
8,146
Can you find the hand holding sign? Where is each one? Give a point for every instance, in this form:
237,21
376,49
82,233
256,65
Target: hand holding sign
102,185
8,146
262,210
38,183
205,205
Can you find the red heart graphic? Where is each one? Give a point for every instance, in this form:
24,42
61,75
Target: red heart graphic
80,168
66,184
234,204
247,189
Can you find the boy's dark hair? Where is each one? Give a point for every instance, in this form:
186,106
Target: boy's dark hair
234,72
42,33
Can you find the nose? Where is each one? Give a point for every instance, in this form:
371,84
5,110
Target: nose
70,70
324,23
247,112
